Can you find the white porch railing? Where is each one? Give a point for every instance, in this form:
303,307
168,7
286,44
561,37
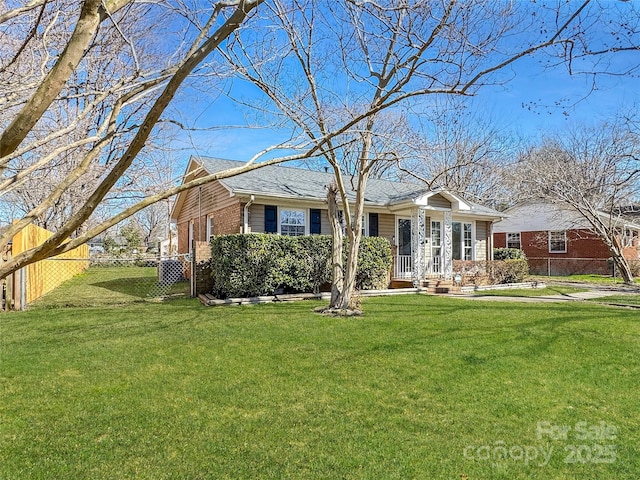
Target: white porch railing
403,266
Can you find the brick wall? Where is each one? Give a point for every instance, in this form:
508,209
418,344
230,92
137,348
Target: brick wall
580,244
226,220
569,266
586,253
183,237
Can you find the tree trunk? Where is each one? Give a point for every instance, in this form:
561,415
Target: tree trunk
620,262
342,293
337,264
344,299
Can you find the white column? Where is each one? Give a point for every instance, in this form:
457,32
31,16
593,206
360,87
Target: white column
418,244
447,247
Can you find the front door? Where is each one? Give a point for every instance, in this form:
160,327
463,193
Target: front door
404,236
404,260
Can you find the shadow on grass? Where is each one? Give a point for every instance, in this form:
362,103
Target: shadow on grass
139,287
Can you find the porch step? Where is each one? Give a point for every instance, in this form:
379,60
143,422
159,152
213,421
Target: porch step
434,286
441,286
400,284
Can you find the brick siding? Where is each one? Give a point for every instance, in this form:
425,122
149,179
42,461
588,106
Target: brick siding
586,253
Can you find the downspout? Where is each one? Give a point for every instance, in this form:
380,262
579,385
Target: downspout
246,214
491,239
199,213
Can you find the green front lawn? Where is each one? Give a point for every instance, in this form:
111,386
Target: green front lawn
626,299
531,292
102,286
591,278
420,387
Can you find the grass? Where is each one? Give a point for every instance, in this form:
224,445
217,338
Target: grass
101,286
420,387
591,279
531,292
626,299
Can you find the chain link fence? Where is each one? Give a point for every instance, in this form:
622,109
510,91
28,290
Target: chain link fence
104,281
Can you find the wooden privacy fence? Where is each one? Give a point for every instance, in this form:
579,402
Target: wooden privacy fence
33,281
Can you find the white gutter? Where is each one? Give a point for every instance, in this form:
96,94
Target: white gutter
246,214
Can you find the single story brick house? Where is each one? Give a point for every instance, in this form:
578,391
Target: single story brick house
558,241
427,229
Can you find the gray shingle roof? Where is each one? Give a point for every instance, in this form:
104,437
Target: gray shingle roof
292,182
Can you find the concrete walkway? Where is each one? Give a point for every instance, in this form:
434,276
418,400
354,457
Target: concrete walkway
593,292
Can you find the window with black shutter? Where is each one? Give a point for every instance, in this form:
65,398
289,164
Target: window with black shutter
316,221
373,224
270,219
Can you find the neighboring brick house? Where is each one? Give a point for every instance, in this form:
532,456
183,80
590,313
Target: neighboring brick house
557,241
427,229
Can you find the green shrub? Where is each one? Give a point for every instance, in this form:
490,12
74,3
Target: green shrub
508,254
374,263
261,264
508,271
635,267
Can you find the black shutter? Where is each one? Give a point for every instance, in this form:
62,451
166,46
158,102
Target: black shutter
316,221
270,219
373,224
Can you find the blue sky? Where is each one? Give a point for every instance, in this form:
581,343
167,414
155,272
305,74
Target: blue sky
534,101
531,104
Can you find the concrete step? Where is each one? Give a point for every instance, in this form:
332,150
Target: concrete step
400,284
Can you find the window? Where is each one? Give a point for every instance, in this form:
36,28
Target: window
342,222
363,229
270,219
373,224
209,227
436,245
436,234
557,242
513,240
292,222
468,241
462,241
316,221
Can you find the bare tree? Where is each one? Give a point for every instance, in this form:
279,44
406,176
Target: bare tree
455,147
331,68
82,91
591,171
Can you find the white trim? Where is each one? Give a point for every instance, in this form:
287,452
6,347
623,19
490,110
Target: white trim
305,212
398,218
463,247
209,227
519,239
457,203
564,232
435,266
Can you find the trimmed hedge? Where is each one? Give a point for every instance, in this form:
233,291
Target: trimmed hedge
491,272
262,264
508,271
508,254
